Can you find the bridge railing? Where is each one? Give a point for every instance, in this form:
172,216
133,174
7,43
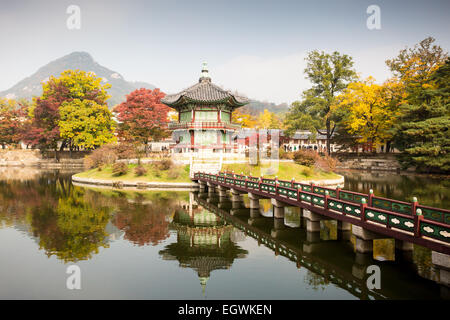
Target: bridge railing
407,216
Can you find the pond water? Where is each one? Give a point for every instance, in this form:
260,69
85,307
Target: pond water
182,245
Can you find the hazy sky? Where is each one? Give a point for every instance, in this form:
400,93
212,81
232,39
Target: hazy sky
255,47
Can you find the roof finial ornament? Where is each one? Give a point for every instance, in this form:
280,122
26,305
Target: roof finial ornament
205,74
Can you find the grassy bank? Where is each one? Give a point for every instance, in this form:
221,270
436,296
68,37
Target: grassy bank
286,171
174,174
180,173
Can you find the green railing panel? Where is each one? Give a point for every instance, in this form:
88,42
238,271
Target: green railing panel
436,232
318,201
351,209
401,223
435,215
285,184
335,205
381,204
282,191
292,194
401,207
347,196
376,216
268,181
305,197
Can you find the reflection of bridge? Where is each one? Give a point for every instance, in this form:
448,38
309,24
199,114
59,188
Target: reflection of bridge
328,259
371,217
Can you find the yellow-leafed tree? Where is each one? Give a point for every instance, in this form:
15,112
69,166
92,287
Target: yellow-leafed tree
370,110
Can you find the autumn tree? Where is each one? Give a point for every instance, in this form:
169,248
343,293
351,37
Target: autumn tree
329,75
244,119
268,120
12,121
46,118
86,124
414,66
421,130
142,117
368,111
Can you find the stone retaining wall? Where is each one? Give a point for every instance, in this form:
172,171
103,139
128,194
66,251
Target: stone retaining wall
33,158
375,164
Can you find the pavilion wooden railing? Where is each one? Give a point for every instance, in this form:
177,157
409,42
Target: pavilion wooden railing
419,220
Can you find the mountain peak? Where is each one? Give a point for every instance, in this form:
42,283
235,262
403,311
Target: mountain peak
81,60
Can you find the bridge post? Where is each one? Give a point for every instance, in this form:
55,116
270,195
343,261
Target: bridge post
278,208
441,262
254,213
364,239
202,186
254,200
343,230
222,191
312,220
344,226
211,187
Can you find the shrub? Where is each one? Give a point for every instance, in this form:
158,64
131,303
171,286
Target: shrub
125,150
285,154
173,173
140,170
326,163
308,171
104,155
119,168
305,157
311,158
164,164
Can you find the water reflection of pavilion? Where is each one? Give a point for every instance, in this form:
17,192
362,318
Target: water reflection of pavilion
204,243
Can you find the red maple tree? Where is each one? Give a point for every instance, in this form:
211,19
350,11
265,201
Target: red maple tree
142,116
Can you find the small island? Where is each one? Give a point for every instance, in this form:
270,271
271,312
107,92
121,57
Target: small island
166,174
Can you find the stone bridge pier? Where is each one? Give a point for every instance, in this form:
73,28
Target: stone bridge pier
278,208
364,241
211,188
254,200
441,262
222,191
237,202
202,186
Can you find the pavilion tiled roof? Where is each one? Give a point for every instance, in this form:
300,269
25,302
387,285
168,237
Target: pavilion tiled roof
204,92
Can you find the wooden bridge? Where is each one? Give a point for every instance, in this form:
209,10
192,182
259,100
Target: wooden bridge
372,217
329,259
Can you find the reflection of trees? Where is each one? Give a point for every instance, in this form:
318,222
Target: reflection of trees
315,280
74,229
67,225
144,218
430,190
143,224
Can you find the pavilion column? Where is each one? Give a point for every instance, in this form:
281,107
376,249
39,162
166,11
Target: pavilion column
191,132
